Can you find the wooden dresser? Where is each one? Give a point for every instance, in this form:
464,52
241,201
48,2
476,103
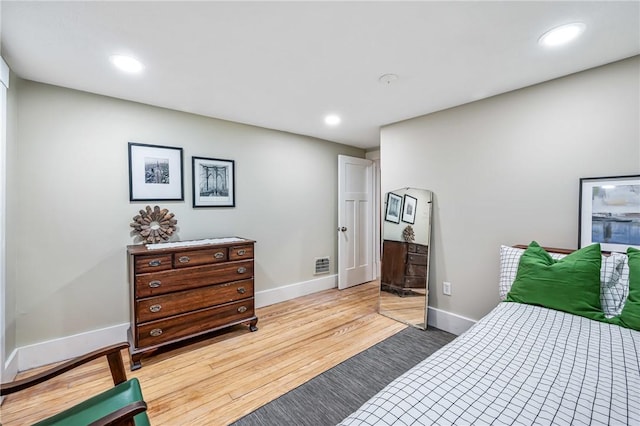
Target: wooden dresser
185,289
404,266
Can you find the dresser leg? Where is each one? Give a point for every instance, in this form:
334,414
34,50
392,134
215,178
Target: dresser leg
252,325
135,363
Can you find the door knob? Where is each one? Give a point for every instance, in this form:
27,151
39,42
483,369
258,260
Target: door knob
343,229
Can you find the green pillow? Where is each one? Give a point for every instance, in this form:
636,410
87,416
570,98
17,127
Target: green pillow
571,284
630,316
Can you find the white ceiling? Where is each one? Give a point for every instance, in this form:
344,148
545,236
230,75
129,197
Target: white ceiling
284,65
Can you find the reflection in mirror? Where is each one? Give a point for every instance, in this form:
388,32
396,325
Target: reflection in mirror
406,234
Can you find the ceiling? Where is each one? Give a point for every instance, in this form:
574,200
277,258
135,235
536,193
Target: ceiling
285,65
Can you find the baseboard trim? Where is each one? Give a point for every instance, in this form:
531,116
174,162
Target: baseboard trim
43,353
291,291
448,321
60,349
11,366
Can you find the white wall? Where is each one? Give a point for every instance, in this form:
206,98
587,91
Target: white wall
72,210
506,170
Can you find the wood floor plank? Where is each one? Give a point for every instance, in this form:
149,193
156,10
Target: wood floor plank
220,379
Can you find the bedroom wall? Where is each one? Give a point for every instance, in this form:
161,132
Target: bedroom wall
72,212
506,170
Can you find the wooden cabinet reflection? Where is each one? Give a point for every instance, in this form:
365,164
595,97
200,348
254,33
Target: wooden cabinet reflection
404,267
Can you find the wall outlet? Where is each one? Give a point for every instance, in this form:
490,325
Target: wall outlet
446,288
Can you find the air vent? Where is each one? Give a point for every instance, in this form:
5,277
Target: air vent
322,265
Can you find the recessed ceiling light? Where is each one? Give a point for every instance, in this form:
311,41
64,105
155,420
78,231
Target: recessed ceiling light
332,120
562,34
126,63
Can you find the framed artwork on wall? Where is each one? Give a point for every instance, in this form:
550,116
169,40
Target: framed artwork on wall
610,212
394,206
409,209
155,173
213,182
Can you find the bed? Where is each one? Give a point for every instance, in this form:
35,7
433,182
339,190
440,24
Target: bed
526,364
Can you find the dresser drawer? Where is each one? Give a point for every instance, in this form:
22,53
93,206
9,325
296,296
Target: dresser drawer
199,257
416,259
416,270
157,307
194,323
152,263
241,252
187,278
417,248
415,282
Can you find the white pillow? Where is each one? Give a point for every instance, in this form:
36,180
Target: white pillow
614,283
614,277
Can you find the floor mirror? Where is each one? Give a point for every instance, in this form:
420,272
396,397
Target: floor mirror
406,235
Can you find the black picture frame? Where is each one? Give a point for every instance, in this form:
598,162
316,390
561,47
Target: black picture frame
393,208
155,173
409,207
609,212
213,182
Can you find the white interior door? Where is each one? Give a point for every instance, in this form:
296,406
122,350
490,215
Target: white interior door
355,221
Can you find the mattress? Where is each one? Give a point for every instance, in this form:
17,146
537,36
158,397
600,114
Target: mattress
522,365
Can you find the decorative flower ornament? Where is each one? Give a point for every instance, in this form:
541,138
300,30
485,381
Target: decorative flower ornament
408,235
154,225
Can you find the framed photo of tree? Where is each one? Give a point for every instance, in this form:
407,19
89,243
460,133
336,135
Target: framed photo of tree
394,207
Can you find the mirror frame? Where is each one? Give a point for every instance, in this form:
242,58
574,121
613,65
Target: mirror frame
405,255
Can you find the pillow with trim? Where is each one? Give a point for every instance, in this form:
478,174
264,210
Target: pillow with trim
614,283
630,316
570,284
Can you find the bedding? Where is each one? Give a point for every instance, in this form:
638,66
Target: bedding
571,284
520,364
614,277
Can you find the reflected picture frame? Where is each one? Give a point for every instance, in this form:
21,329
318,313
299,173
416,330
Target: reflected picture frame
609,212
155,173
213,182
409,209
393,208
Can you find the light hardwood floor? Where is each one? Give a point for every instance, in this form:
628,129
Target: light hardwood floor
408,309
218,380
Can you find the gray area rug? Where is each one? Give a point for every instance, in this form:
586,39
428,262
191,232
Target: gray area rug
330,397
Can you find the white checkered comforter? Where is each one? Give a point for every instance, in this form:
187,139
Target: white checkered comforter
521,365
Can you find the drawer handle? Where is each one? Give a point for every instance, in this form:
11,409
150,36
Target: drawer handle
155,283
241,252
219,255
242,290
155,308
242,309
242,270
156,332
155,262
184,259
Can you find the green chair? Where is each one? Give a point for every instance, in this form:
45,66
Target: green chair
121,405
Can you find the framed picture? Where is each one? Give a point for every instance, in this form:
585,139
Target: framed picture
394,205
409,209
155,173
610,212
213,182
